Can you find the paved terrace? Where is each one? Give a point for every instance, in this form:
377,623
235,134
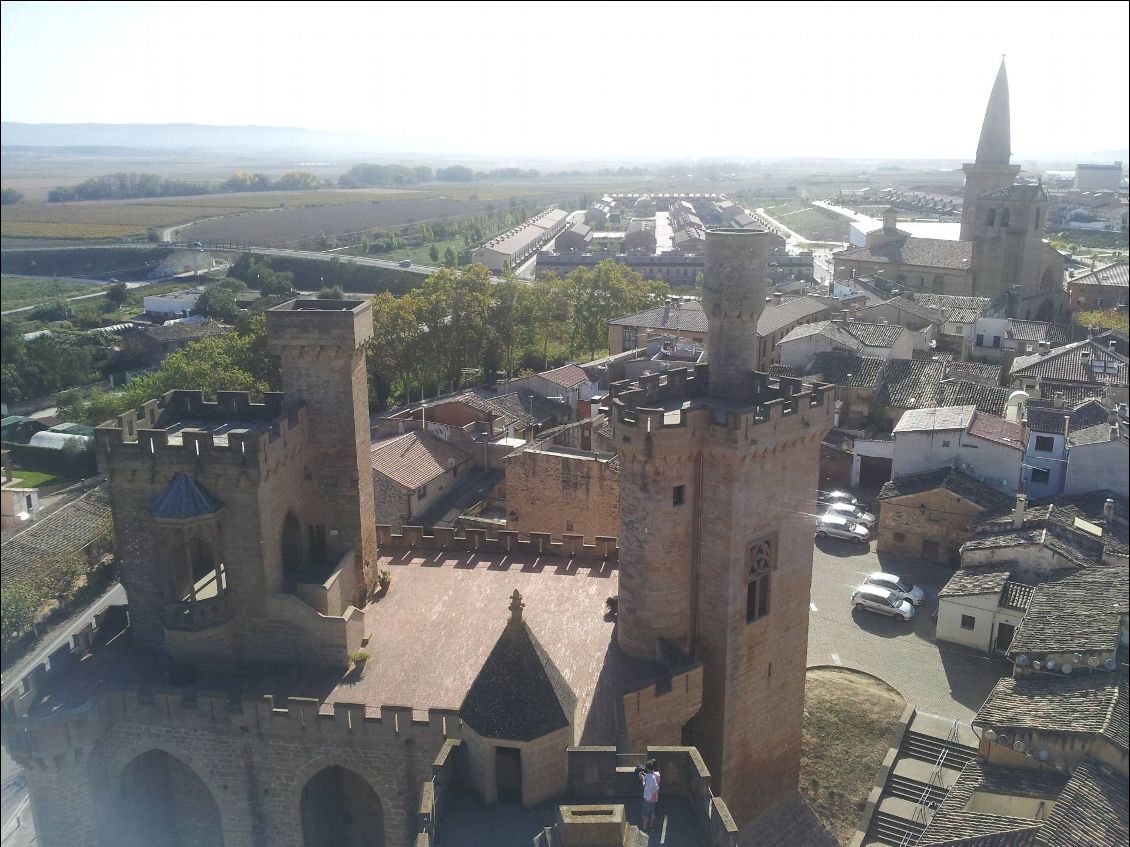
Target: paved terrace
430,634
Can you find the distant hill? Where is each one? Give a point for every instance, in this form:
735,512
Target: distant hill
167,137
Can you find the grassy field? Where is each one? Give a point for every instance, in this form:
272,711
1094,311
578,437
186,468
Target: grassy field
36,479
809,221
18,291
849,719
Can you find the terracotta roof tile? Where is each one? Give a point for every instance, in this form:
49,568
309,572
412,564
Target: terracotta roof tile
1076,614
415,458
1091,810
1117,274
919,252
1051,703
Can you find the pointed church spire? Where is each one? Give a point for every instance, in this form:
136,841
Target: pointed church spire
995,145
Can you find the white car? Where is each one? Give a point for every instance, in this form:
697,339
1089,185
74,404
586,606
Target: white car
900,586
872,598
854,513
838,526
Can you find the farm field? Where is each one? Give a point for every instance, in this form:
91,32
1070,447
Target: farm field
810,221
290,225
17,292
95,219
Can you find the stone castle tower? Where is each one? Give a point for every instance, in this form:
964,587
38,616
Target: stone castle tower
719,469
1005,222
231,515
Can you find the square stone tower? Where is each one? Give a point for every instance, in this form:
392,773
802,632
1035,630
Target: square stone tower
719,470
321,345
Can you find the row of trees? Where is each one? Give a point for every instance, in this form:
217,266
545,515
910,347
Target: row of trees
459,320
9,197
124,186
368,175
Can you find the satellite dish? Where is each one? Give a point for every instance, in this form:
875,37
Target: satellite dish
1035,666
1092,661
1043,755
1018,746
1059,764
1067,669
1022,660
1051,664
1077,658
990,735
1002,739
1110,664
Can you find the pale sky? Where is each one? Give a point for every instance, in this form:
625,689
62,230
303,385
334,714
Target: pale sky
587,80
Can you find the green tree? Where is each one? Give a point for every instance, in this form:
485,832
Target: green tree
10,196
19,607
117,294
331,293
217,303
433,254
450,258
399,356
602,293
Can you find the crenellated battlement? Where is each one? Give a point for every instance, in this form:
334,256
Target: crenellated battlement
43,740
183,423
504,541
767,400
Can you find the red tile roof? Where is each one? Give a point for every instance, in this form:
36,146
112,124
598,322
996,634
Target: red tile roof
992,428
567,376
416,458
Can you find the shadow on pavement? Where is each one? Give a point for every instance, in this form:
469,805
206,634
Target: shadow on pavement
839,547
971,675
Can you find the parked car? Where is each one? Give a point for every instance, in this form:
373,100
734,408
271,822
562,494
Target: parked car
851,512
827,498
405,263
872,598
891,582
837,526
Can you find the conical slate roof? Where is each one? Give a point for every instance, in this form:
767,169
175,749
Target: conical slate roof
995,144
519,694
183,499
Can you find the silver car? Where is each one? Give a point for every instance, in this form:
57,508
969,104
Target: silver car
854,513
872,598
891,582
838,526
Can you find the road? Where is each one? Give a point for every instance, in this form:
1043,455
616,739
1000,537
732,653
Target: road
15,816
935,676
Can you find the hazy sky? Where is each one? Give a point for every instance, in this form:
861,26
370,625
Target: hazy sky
594,80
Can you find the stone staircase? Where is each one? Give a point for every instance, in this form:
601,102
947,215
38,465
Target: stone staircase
916,776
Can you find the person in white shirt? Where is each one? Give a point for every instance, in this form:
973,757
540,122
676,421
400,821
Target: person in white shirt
649,778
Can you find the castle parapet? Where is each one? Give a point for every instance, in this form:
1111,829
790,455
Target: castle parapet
182,424
503,541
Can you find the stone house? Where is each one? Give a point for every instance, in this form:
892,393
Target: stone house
928,515
411,471
881,341
1083,365
1050,424
154,343
1102,288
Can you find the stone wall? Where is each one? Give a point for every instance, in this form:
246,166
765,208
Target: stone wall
913,524
254,759
557,490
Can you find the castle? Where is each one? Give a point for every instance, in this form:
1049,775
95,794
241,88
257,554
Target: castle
293,674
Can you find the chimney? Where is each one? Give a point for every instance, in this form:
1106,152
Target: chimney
1066,426
1108,510
1018,512
1112,346
1058,400
777,298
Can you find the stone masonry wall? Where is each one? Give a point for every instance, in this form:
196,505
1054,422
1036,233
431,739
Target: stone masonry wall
908,523
557,493
254,766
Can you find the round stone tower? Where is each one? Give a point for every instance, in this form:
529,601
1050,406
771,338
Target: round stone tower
733,296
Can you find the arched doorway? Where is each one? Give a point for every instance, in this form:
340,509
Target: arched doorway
291,545
340,809
162,801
